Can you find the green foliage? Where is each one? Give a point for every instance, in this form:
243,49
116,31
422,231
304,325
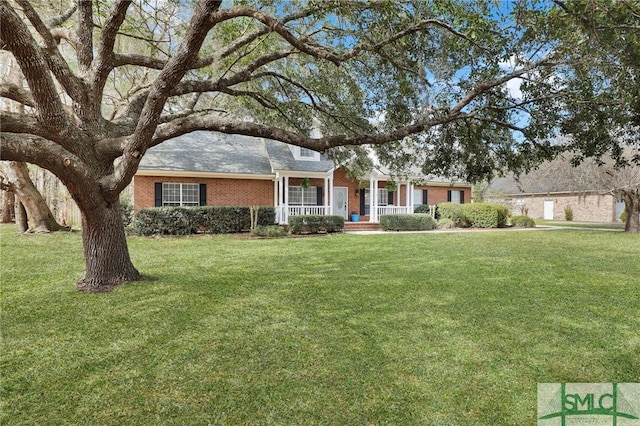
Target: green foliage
422,208
191,220
127,211
446,223
485,215
454,212
477,215
623,217
270,231
407,222
312,224
522,222
568,213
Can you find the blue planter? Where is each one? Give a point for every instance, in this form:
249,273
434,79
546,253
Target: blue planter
355,217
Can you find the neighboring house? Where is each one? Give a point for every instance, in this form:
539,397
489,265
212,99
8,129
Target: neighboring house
586,206
215,169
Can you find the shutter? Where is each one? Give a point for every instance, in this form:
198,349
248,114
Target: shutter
158,197
461,197
203,194
362,204
449,195
425,196
390,197
318,196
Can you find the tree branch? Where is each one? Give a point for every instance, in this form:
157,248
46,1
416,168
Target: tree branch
104,61
84,33
17,93
202,20
62,18
16,38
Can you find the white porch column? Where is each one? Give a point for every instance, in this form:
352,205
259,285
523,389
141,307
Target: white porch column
410,197
373,199
326,196
276,197
285,207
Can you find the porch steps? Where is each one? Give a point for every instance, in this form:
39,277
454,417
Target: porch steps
361,226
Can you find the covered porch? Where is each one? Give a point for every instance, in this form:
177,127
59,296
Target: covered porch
320,194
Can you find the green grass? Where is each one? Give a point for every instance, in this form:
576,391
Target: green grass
450,329
585,225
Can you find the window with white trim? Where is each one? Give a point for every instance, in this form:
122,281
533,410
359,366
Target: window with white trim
299,196
180,194
383,198
306,153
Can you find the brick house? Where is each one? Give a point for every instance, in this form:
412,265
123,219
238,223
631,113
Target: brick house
215,169
585,206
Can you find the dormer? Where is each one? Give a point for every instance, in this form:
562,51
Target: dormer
304,154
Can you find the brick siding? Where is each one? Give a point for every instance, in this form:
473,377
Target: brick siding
585,207
245,192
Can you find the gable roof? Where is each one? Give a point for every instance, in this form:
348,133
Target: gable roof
213,152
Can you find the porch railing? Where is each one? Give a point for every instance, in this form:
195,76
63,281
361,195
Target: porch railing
284,212
392,210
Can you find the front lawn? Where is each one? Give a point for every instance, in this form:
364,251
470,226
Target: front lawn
450,329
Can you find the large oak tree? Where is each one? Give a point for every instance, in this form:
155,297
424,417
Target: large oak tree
428,82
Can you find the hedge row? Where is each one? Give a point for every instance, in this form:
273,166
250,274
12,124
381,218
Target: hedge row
477,215
315,224
192,220
407,222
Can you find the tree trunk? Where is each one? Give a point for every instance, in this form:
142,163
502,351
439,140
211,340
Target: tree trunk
22,223
106,254
7,206
40,217
632,210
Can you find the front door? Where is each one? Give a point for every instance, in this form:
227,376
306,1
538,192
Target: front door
340,203
548,210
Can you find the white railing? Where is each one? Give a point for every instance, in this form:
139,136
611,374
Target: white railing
392,210
284,212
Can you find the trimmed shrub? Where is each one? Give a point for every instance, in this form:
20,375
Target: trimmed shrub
315,224
422,208
522,222
446,224
454,212
191,220
484,215
568,214
407,222
270,231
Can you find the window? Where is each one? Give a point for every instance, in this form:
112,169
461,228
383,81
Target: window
304,154
299,196
419,197
180,194
307,153
455,196
383,198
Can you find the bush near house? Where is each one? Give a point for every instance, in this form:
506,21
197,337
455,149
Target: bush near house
446,224
422,208
315,224
522,222
477,215
407,222
485,215
454,212
192,220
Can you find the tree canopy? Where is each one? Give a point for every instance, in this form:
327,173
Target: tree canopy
454,87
